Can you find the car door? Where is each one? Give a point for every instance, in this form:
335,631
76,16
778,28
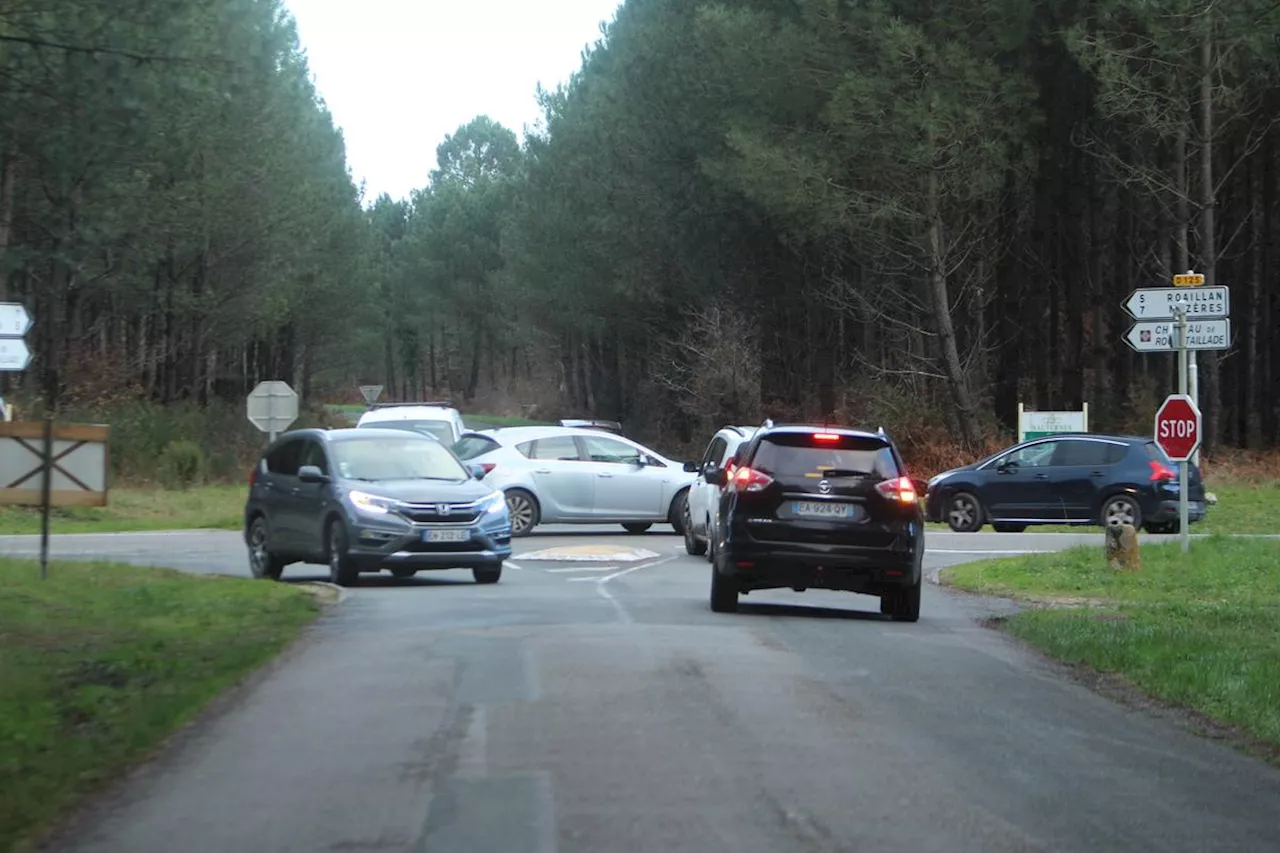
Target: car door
309,500
563,481
1082,468
701,493
625,489
1018,485
279,482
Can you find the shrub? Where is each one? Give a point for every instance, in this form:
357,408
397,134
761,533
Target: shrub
183,464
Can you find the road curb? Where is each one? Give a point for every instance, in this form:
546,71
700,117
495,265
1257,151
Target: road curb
340,594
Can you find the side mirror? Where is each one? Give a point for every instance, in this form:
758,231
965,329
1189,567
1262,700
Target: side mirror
311,474
716,476
477,470
691,468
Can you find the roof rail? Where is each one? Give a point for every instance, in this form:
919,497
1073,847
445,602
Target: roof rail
735,429
437,403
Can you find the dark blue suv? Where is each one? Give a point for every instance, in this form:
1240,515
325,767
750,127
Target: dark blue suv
363,500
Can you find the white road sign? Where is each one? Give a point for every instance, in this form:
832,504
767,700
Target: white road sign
15,322
370,393
14,354
1159,336
1160,303
272,406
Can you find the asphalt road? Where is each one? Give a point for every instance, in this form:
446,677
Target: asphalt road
585,707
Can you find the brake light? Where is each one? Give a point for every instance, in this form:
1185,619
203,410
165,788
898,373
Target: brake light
1161,472
825,436
899,489
749,480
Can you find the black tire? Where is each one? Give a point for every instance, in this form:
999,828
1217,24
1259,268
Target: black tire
679,510
637,527
524,510
693,546
724,595
487,574
906,604
342,570
964,513
263,564
1007,528
1121,509
403,574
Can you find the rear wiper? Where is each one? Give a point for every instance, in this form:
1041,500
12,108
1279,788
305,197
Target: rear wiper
845,472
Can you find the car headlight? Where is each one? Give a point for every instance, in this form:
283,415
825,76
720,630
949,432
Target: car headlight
371,504
495,503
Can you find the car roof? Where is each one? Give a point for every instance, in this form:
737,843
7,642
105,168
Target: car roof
364,433
802,429
517,434
399,413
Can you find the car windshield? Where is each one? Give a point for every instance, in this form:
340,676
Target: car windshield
408,458
439,430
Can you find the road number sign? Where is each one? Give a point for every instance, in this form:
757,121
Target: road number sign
1190,279
1177,427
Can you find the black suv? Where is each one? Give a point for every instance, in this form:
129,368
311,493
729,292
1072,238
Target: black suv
818,507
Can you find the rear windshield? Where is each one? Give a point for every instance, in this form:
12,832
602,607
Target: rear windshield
797,455
439,430
471,446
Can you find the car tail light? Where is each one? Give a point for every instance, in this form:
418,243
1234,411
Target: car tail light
253,476
1161,472
825,436
749,480
899,489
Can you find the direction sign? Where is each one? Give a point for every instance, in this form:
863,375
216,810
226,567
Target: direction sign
272,406
1161,303
1159,335
15,322
370,393
1178,427
14,354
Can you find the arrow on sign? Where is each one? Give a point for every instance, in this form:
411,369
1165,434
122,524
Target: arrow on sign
1159,335
14,354
14,320
1160,303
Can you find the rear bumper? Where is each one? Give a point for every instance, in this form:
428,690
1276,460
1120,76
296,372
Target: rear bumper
757,564
1167,511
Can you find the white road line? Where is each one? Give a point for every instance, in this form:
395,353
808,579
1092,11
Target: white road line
607,578
581,569
516,566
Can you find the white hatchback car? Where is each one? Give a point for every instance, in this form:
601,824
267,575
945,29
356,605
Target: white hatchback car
569,475
439,420
703,496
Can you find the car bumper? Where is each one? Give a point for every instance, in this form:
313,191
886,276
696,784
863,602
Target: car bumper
373,548
1168,511
758,564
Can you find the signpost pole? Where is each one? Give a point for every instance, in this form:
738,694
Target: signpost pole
1184,522
1193,381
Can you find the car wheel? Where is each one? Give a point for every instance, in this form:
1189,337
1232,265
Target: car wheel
724,596
262,563
487,574
1121,509
679,511
964,513
342,571
523,509
904,604
693,546
636,528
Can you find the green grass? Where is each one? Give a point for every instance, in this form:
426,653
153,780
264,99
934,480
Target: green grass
99,663
220,507
1241,508
1201,630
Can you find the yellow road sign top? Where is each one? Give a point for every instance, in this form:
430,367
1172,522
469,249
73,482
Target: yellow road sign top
1190,279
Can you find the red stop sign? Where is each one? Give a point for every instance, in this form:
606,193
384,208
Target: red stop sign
1178,427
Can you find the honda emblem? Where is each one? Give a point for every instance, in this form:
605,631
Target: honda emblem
443,509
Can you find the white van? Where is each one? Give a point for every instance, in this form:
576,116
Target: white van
440,420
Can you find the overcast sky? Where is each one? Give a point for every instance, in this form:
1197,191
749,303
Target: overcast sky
398,75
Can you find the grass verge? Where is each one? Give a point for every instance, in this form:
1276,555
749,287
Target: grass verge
1241,508
220,507
101,662
1200,630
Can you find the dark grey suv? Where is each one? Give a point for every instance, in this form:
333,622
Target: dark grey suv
363,500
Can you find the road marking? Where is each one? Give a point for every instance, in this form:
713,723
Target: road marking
582,569
590,554
604,580
516,566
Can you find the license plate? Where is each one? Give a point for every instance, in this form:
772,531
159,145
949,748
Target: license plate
820,509
446,535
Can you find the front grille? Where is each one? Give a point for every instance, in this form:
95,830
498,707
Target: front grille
428,514
444,547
